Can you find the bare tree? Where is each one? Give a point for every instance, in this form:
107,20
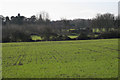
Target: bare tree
103,21
43,17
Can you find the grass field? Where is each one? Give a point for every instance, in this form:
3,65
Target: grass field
61,59
34,37
72,37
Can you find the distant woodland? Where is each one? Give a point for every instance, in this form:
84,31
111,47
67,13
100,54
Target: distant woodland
21,29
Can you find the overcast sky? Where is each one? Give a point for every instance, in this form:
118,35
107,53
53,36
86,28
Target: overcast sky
57,9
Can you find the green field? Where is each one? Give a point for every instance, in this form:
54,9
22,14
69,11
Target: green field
72,37
34,37
61,59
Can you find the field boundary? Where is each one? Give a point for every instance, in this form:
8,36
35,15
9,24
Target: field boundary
60,79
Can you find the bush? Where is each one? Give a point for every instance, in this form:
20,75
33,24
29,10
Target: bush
65,37
5,39
20,37
61,37
111,34
83,36
16,36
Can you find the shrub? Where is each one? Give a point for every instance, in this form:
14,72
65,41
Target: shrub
15,35
111,34
62,37
83,36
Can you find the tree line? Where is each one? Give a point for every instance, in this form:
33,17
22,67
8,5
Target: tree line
20,28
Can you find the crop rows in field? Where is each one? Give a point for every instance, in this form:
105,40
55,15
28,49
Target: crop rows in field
92,58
